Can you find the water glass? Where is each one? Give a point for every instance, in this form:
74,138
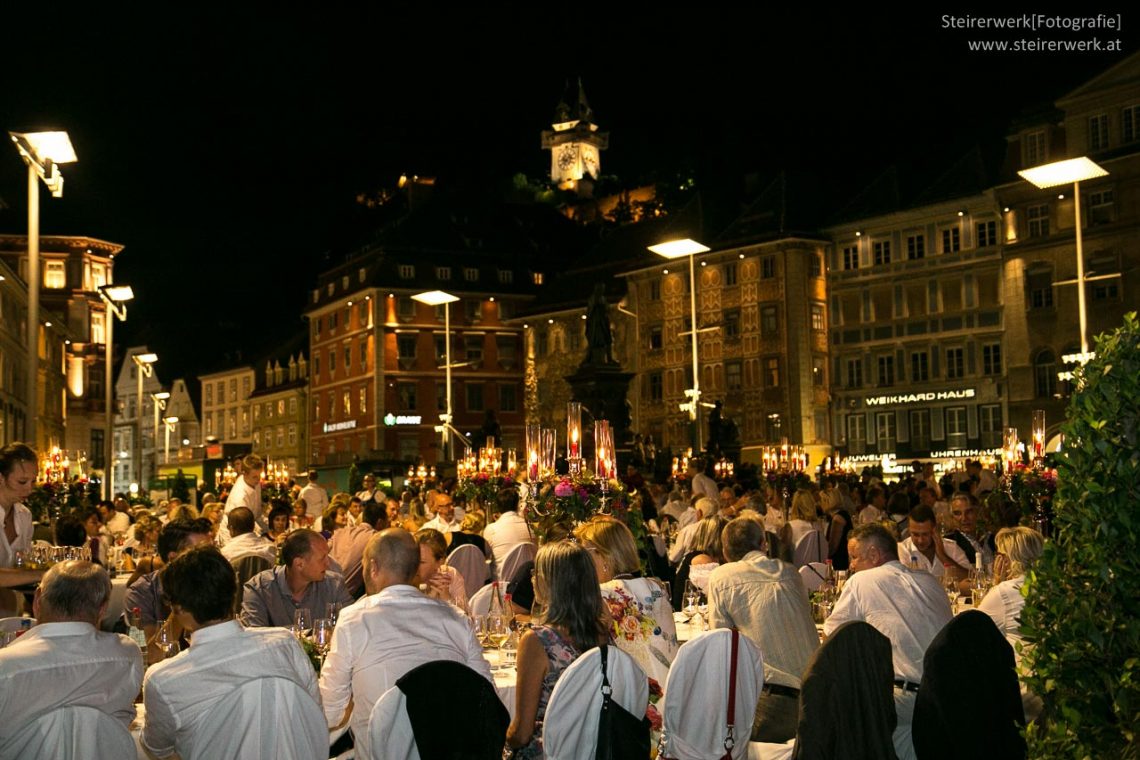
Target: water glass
332,610
166,641
303,619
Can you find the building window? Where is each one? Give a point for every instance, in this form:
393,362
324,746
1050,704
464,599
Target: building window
443,273
1130,124
471,274
1100,207
920,429
956,428
656,389
292,435
256,412
886,436
474,393
769,322
1106,290
362,352
1045,374
473,310
955,363
919,366
407,271
733,376
856,433
293,407
1040,286
333,321
1098,132
473,348
915,247
537,277
508,398
730,273
332,360
817,320
506,276
316,408
441,397
1033,148
98,276
886,371
347,358
732,324
316,364
768,267
1038,217
991,359
655,290
851,257
854,373
54,274
406,346
772,373
818,371
990,425
951,240
987,234
406,397
346,398
882,251
362,404
815,265
405,307
655,338
98,327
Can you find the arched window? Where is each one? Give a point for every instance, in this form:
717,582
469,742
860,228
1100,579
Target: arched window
1045,373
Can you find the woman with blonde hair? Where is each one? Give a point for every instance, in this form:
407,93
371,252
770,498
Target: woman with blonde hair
470,531
641,609
574,622
705,557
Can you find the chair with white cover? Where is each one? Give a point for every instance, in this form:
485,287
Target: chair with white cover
700,676
270,718
390,735
570,729
811,548
472,565
75,732
480,603
813,575
516,558
13,624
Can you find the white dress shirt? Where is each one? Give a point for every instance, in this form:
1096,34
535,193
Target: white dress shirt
869,514
703,485
316,500
250,543
505,534
934,566
444,526
379,639
1004,604
683,543
23,542
180,692
120,522
241,495
67,664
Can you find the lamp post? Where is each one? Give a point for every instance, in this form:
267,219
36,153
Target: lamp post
436,298
145,364
159,400
42,152
170,423
1073,170
115,297
675,249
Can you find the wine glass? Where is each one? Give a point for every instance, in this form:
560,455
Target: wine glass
303,619
322,635
692,594
166,641
332,609
497,631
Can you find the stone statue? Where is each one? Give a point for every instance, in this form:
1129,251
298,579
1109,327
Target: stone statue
599,338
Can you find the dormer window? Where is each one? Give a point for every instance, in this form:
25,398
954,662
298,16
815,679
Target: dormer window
443,273
506,276
407,271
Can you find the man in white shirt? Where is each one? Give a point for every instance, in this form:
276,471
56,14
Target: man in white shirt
18,468
705,507
387,633
445,520
65,660
114,521
180,692
508,531
925,549
246,493
315,497
702,484
907,606
243,540
876,507
964,511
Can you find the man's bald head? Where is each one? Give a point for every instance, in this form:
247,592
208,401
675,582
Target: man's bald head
392,556
240,521
73,591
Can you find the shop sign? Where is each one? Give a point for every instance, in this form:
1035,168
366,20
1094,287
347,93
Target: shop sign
402,419
332,427
921,398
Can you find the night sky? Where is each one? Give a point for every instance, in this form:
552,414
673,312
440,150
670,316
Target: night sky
226,151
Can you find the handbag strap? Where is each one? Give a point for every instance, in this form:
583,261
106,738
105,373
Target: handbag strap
607,690
729,741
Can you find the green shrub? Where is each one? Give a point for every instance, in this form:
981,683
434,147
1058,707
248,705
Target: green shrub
1083,599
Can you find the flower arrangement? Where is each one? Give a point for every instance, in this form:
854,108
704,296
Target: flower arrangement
1029,490
483,488
571,500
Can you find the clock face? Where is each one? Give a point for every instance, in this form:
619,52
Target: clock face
590,159
567,156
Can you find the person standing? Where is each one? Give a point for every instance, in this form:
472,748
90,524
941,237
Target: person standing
246,492
18,467
315,497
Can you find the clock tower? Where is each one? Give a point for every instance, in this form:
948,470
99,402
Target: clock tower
575,144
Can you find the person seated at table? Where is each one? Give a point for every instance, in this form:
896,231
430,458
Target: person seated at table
573,621
347,546
141,538
470,531
705,557
244,540
705,507
334,518
435,577
926,549
278,521
300,517
180,692
801,519
508,530
641,609
176,510
302,580
96,541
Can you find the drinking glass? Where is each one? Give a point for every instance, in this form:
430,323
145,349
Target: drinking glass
497,631
166,641
322,635
692,594
303,619
332,609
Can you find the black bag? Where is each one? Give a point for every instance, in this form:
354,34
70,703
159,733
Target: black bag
621,735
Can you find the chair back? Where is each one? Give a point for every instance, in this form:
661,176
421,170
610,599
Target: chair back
13,624
472,565
390,735
476,732
813,574
809,549
76,732
570,730
700,676
516,558
246,566
480,603
269,718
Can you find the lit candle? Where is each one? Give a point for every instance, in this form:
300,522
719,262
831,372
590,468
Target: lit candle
1038,433
573,430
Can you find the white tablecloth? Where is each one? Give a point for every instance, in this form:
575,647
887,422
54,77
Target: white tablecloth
505,681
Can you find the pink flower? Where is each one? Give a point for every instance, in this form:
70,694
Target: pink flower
630,627
655,721
563,489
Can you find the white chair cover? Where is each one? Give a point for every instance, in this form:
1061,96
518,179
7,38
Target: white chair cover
77,732
472,565
813,574
269,718
570,730
481,602
699,677
771,750
390,735
516,558
13,624
809,549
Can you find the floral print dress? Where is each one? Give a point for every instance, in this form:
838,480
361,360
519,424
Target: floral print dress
643,624
559,654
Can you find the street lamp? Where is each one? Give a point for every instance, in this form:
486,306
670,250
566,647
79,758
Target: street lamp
115,297
145,363
675,249
1073,170
42,152
159,400
437,298
171,422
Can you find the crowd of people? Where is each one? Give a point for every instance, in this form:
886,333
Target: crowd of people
221,582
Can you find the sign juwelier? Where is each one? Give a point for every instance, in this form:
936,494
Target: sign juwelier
921,398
